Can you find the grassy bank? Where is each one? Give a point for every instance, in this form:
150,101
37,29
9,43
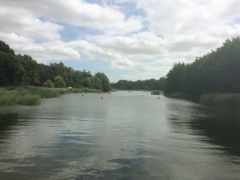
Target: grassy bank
180,95
30,95
221,100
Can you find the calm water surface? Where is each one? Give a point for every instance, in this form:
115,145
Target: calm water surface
122,136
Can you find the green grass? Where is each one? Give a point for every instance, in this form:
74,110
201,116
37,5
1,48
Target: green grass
87,90
29,99
179,95
175,95
31,95
43,92
16,96
221,100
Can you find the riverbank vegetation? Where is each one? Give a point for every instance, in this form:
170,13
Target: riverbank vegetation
213,79
18,70
150,84
221,100
31,95
24,81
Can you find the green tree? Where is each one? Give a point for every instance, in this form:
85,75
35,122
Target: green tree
105,83
31,75
59,82
175,78
149,84
11,70
22,69
217,71
95,83
5,48
77,79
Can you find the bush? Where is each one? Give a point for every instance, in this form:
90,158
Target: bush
29,99
8,99
31,95
43,92
48,84
27,95
59,82
221,100
18,96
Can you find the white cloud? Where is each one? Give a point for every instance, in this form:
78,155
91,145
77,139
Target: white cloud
94,51
79,13
145,46
60,50
185,16
50,50
22,22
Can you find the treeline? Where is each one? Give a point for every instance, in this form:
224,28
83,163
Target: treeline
16,69
150,84
216,72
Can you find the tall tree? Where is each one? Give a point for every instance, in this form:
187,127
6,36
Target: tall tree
105,83
217,71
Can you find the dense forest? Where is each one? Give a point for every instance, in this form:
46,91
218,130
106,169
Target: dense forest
150,84
216,72
16,69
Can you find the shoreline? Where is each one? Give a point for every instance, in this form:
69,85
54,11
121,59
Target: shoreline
33,95
215,100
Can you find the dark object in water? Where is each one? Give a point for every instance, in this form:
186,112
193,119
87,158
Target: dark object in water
155,93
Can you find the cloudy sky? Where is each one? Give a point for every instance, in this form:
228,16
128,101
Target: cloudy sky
126,39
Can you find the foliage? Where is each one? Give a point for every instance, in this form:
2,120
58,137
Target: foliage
216,72
221,100
5,48
48,84
59,81
23,70
18,96
42,92
150,84
102,82
28,99
32,95
175,78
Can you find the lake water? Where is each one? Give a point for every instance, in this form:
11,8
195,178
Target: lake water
122,135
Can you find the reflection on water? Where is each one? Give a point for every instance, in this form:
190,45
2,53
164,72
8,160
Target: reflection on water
122,136
7,120
222,127
219,127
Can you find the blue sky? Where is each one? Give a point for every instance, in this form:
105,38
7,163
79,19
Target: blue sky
126,39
